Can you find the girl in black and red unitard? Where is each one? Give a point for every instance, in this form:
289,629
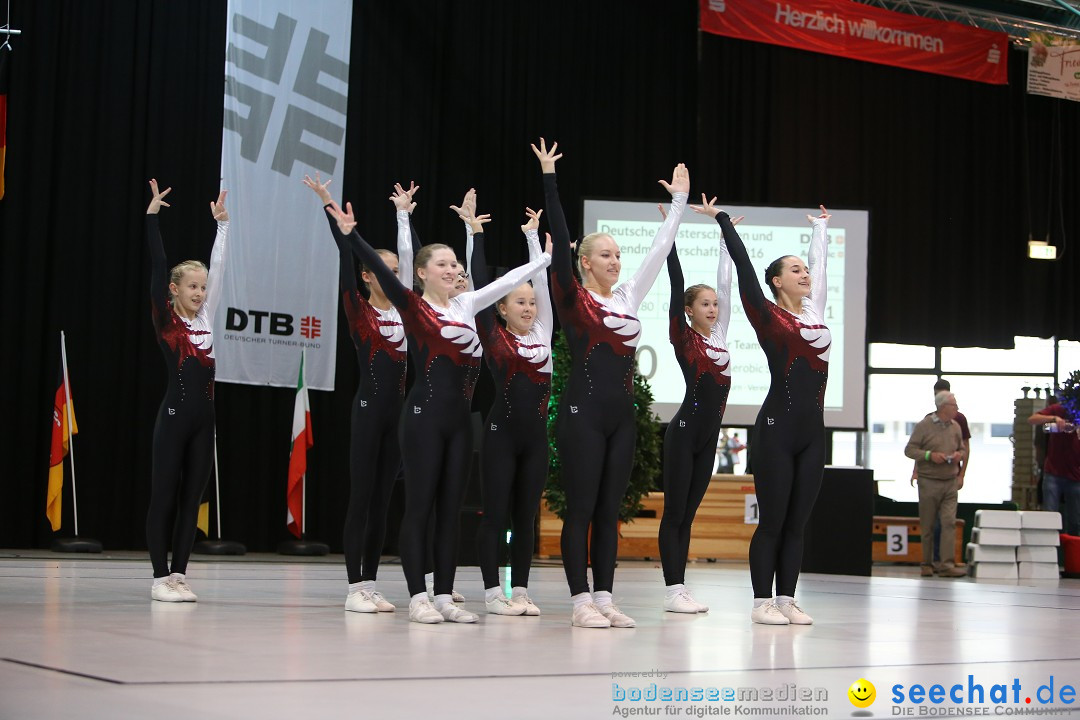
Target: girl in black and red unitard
787,452
182,303
596,428
514,463
374,455
690,440
445,352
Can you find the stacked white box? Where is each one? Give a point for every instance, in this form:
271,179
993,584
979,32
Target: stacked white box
1039,538
995,538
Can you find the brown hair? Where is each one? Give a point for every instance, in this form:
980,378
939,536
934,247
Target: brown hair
692,292
384,253
424,256
775,268
502,300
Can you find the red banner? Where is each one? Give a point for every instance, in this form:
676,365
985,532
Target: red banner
860,32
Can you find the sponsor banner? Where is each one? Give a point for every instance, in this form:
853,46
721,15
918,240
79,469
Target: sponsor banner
860,32
1054,66
286,87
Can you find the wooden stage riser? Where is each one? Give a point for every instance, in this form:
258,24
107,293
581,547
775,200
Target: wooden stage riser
720,531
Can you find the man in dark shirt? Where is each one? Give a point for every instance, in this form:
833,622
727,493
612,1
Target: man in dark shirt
1061,471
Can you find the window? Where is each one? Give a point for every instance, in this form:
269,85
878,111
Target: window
1031,355
889,355
1001,430
1068,359
896,403
843,449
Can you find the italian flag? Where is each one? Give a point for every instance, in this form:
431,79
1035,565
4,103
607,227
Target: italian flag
301,441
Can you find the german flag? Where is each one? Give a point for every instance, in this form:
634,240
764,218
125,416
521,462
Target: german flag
61,439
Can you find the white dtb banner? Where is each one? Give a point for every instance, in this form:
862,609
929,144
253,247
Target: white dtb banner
286,86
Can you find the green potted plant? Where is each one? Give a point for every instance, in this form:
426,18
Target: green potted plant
647,460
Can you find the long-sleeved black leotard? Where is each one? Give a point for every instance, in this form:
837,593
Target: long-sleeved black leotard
595,428
183,445
514,463
690,440
788,448
374,453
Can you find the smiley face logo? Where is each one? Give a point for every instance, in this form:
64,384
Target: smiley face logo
862,693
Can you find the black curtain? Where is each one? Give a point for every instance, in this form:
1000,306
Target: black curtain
103,96
106,95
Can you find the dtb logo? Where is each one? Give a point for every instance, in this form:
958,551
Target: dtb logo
275,323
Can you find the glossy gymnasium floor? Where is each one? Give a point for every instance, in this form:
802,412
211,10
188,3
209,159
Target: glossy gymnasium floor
80,638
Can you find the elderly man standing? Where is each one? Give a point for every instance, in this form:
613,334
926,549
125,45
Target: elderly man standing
938,449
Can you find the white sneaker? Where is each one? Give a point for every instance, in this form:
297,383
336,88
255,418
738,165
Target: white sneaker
455,614
616,617
501,606
424,612
768,614
186,592
359,601
681,602
454,594
381,603
588,615
794,613
166,592
526,602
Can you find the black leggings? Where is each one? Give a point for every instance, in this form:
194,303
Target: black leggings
514,469
374,460
596,451
788,460
436,476
183,455
689,452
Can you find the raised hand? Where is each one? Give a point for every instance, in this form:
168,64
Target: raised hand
546,157
823,216
345,220
157,202
402,198
663,212
680,180
467,212
533,223
708,207
547,243
468,205
320,188
217,208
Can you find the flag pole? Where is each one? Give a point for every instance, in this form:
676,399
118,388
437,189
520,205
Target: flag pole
70,425
217,486
303,480
218,547
303,546
75,544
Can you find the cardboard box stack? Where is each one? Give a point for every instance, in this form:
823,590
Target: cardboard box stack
994,539
1010,545
1040,535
